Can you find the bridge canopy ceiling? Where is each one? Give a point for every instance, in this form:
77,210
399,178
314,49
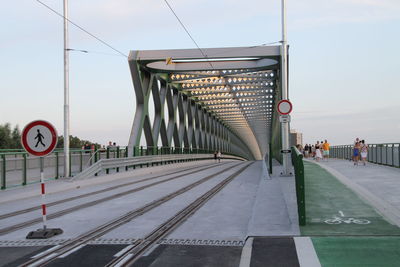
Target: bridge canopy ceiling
238,85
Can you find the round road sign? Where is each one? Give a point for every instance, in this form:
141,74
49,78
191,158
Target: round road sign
284,107
39,138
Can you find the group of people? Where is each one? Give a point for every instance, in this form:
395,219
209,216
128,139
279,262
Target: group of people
217,156
360,151
319,151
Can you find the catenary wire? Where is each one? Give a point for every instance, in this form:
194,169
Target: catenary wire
188,33
82,29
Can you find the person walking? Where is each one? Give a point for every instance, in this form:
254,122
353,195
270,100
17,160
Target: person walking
354,144
219,156
325,150
318,154
356,153
306,151
364,152
215,155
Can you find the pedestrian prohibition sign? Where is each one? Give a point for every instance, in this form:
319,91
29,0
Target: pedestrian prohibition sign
39,138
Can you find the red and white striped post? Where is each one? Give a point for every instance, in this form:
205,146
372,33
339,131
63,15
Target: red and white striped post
42,184
39,138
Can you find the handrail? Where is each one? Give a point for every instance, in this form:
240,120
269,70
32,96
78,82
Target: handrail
105,164
297,161
387,154
21,162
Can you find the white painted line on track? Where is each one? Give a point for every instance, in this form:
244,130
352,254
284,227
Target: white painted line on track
306,252
122,262
245,258
383,207
148,252
39,262
44,252
119,253
71,251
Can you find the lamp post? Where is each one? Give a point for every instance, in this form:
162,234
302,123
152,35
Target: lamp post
66,93
285,93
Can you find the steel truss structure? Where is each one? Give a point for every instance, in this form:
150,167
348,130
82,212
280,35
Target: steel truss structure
213,99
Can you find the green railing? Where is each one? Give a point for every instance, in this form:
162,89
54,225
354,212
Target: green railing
297,161
386,154
19,168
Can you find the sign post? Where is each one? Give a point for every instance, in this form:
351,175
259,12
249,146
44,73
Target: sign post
39,138
284,108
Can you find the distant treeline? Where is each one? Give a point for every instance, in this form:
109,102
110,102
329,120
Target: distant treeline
10,138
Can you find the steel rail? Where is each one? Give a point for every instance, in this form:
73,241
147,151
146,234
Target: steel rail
141,246
60,213
62,201
84,238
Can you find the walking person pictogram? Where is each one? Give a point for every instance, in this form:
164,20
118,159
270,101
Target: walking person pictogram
39,138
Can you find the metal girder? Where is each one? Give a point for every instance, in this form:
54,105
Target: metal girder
222,101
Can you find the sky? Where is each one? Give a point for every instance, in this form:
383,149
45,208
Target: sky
343,76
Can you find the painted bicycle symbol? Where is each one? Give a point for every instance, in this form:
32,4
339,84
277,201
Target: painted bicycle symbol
339,220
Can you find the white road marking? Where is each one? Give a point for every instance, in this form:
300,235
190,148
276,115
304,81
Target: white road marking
245,258
39,262
122,262
306,252
123,251
148,252
71,251
391,212
46,251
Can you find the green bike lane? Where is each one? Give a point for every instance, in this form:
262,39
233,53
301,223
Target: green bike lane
344,229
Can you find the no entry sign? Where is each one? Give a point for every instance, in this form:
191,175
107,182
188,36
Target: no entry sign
39,138
284,107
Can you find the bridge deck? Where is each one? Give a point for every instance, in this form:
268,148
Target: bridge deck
250,222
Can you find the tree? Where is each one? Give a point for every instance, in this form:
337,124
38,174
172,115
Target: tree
16,138
11,139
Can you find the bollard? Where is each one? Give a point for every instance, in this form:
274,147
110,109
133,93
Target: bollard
117,156
57,162
126,155
24,170
3,172
81,161
70,163
108,156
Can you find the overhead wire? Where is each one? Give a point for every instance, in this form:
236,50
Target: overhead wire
188,33
82,29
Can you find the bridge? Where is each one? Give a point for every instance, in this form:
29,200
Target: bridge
168,202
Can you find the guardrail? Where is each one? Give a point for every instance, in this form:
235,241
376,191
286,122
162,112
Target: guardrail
385,154
19,168
133,162
297,161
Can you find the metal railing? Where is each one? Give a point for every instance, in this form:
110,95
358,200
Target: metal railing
386,154
19,168
297,161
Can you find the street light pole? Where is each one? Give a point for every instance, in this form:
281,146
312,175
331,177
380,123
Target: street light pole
285,93
66,93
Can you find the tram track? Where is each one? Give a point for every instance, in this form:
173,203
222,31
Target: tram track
60,213
62,201
141,245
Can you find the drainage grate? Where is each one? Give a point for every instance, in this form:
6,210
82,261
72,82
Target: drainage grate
113,241
202,242
31,243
